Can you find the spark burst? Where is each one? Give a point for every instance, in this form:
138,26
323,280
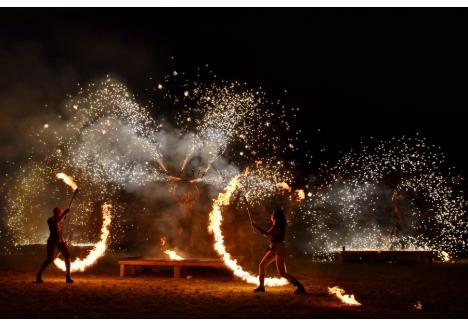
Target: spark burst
351,200
111,143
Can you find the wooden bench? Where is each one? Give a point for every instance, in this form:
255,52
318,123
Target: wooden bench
179,265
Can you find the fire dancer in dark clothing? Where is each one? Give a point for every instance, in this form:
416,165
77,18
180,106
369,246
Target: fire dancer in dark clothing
54,241
276,252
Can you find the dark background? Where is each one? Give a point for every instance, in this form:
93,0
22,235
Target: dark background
354,72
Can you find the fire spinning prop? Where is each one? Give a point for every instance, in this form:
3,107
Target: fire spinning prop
99,248
214,227
69,181
347,299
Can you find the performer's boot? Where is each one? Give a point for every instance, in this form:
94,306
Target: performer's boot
299,287
261,287
68,278
39,278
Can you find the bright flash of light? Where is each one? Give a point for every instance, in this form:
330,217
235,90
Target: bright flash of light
214,227
99,247
347,299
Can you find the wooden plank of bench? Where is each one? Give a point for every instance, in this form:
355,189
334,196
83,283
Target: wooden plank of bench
143,262
178,265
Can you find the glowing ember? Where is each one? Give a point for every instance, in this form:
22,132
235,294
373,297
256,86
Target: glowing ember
300,195
445,256
68,180
173,255
214,227
283,186
98,250
347,299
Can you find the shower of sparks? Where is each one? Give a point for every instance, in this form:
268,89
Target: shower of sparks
114,144
351,201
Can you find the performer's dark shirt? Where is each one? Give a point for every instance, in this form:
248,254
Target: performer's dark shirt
276,233
55,230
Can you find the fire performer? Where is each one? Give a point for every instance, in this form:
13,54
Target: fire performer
55,241
276,252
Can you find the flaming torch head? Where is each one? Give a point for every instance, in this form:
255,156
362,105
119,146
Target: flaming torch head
68,180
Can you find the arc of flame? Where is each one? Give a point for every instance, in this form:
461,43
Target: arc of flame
68,180
347,299
99,247
214,227
173,255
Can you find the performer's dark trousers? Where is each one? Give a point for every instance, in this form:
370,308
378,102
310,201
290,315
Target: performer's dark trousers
62,248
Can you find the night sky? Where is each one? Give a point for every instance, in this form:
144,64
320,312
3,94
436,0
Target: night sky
355,73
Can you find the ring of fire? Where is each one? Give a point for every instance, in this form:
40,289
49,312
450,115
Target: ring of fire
214,227
99,247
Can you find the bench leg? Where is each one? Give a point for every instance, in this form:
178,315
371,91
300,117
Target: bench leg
176,271
133,270
122,270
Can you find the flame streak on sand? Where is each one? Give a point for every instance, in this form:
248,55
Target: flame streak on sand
99,247
214,228
347,299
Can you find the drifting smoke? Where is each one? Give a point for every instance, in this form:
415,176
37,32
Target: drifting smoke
34,88
152,172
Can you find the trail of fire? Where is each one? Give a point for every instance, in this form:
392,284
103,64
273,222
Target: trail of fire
214,228
99,248
347,299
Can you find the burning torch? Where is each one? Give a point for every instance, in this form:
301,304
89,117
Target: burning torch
69,181
73,197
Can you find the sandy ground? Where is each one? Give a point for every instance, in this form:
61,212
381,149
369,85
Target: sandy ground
385,290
